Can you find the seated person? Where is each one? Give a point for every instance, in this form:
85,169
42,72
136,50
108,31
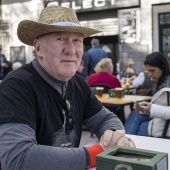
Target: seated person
142,83
104,74
129,72
16,65
149,119
129,69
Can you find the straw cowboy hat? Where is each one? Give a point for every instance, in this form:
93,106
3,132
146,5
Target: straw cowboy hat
52,19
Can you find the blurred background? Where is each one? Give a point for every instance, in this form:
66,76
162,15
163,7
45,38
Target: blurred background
131,28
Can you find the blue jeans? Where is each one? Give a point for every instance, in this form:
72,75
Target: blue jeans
137,124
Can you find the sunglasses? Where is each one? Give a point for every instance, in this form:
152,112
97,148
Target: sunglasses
69,119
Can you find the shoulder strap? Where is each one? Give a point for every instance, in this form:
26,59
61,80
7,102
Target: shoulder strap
167,121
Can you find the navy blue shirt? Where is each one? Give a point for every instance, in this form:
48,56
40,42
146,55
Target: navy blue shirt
96,54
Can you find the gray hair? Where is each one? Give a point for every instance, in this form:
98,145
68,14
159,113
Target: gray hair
105,63
95,42
16,65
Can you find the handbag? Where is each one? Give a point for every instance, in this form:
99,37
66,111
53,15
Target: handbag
167,121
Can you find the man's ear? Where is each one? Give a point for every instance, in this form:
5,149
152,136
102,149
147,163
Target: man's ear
37,47
110,69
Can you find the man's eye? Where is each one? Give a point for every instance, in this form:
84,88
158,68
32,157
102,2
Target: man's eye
60,39
78,40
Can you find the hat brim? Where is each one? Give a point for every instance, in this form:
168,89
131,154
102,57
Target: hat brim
28,30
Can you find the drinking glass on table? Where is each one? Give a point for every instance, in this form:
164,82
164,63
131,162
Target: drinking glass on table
119,92
99,91
124,81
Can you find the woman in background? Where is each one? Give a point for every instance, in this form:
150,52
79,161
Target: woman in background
149,118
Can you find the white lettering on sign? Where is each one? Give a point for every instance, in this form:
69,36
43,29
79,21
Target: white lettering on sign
53,3
99,3
74,6
94,4
112,2
87,4
66,4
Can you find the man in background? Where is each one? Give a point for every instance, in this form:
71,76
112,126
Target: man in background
104,76
87,66
16,65
3,65
128,70
96,53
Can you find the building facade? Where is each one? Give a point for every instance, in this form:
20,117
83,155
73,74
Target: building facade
131,28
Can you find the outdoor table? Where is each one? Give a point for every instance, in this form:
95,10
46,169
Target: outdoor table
147,143
126,100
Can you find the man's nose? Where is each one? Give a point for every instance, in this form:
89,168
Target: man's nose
149,74
69,47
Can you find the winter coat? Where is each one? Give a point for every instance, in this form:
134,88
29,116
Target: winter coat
160,112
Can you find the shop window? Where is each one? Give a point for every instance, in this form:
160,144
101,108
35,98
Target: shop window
164,33
18,54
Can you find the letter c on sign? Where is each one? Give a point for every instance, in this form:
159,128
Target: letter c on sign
99,3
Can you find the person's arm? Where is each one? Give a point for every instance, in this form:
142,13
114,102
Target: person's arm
102,121
160,111
138,81
20,151
5,62
108,128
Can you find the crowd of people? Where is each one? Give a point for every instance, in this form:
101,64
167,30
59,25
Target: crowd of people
45,103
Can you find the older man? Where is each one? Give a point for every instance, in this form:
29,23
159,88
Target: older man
129,65
104,76
44,104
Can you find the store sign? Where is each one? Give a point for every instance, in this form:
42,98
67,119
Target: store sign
91,5
4,2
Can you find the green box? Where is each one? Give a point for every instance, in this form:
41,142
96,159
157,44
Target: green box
123,158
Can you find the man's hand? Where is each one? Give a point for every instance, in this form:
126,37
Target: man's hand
127,142
4,65
132,78
112,138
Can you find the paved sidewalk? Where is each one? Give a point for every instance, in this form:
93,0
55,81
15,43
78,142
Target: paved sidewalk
86,138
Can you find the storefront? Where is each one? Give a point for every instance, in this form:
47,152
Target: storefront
131,28
101,15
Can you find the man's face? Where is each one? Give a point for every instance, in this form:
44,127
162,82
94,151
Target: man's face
60,53
130,64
